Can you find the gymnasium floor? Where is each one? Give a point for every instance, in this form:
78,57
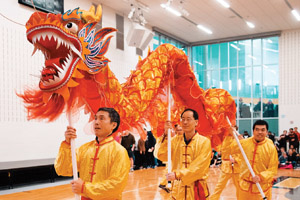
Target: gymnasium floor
143,185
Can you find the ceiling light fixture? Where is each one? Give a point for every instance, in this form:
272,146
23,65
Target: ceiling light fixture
201,27
251,25
171,10
223,3
296,14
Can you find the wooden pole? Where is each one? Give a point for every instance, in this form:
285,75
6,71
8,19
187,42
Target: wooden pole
246,160
73,153
169,134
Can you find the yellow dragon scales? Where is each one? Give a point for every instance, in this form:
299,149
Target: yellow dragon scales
76,74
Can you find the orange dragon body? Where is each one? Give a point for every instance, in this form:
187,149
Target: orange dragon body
76,75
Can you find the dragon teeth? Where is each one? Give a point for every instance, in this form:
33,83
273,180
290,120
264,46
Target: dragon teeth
34,50
76,51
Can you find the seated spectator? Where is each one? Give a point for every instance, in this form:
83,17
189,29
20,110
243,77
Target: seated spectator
282,150
283,159
298,159
291,158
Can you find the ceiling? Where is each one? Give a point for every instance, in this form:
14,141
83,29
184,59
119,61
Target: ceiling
267,15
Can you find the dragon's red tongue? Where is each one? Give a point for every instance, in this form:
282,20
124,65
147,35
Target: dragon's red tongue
51,68
53,61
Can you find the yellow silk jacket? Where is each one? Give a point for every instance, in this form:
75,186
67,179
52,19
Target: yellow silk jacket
189,162
263,159
227,166
103,167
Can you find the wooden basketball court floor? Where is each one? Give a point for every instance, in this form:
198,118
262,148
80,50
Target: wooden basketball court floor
143,185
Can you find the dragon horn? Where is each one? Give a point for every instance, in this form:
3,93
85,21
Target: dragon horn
90,16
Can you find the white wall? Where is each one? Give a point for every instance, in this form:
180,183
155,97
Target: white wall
25,140
289,83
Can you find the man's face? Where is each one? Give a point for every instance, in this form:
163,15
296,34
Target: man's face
178,130
188,122
296,129
102,124
260,132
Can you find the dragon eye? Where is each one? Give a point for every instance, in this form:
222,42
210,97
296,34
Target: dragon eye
71,26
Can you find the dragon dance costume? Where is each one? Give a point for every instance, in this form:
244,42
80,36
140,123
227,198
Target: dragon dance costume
228,169
264,162
190,162
103,167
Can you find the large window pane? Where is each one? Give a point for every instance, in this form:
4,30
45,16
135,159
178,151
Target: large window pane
257,80
248,69
213,56
155,41
245,125
270,50
271,81
233,50
257,52
233,82
245,54
273,125
215,79
202,78
224,81
199,57
224,55
244,82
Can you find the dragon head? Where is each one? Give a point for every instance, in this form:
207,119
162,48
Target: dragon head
70,45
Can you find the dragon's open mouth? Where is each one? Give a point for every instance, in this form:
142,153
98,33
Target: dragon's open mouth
61,54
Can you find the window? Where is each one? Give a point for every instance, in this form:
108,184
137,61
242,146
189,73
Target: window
249,71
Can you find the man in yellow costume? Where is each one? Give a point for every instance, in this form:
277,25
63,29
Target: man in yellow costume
262,156
178,131
191,154
103,163
230,168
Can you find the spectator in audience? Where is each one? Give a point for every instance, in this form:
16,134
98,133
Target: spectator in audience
141,160
283,139
214,158
257,107
291,158
246,134
293,139
282,150
298,135
283,159
269,112
149,144
271,136
298,160
128,142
